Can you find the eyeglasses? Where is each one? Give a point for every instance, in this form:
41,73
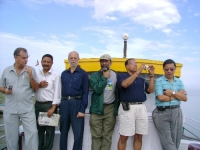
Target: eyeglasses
171,69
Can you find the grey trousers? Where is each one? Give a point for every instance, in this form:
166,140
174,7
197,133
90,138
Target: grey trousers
11,125
169,125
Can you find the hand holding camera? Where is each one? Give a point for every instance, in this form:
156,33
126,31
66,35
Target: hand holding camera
150,69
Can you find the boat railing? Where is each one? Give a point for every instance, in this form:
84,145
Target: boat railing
195,136
2,136
1,125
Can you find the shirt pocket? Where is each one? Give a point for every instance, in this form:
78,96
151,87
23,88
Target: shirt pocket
25,80
50,85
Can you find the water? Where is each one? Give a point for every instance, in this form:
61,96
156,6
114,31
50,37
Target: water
191,109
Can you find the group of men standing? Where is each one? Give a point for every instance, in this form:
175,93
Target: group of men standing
121,94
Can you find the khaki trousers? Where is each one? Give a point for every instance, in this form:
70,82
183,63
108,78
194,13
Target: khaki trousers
101,127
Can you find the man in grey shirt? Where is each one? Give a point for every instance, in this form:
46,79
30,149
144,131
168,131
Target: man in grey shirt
18,83
104,104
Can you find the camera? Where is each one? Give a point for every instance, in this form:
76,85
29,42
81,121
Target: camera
146,67
10,87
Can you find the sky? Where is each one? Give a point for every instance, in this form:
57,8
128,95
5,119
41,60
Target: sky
157,29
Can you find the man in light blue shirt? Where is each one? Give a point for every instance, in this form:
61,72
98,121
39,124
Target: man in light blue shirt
167,116
18,83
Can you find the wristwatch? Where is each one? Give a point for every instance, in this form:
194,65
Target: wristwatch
173,93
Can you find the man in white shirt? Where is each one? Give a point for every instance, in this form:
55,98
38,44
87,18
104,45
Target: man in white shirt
48,97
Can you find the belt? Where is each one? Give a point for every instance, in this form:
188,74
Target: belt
71,97
109,103
44,102
169,107
133,103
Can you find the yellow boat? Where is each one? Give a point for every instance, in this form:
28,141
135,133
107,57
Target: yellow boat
92,65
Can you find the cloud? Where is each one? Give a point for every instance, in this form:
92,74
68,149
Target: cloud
167,31
36,49
197,14
101,30
82,3
152,13
191,59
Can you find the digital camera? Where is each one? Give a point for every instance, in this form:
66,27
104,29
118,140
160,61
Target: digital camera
146,67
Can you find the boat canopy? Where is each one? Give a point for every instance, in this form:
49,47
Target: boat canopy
92,65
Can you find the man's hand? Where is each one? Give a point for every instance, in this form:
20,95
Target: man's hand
29,71
43,84
80,115
168,92
7,91
106,74
142,67
50,112
151,70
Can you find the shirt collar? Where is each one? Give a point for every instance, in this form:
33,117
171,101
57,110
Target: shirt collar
76,70
175,78
12,68
49,72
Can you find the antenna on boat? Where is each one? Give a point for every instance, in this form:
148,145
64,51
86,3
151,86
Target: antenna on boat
125,37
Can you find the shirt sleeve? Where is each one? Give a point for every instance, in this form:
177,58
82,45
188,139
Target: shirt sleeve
158,88
120,79
2,80
97,83
34,74
57,90
84,101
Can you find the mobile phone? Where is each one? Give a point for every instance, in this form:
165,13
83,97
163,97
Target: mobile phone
10,87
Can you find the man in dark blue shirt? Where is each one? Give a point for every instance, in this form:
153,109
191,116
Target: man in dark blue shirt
74,101
132,114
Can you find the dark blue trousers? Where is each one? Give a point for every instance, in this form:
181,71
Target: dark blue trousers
68,111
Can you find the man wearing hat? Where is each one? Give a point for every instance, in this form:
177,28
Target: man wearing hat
104,105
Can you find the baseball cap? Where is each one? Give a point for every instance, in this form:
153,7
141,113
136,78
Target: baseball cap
105,57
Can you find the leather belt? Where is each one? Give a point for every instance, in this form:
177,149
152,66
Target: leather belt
71,97
133,103
44,102
169,107
109,103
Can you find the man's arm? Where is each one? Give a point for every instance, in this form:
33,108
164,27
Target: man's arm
57,96
33,77
98,84
179,95
151,81
84,101
3,88
128,81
